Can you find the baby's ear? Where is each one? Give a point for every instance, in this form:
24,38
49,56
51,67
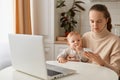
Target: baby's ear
68,43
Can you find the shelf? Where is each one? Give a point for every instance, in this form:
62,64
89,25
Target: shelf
60,42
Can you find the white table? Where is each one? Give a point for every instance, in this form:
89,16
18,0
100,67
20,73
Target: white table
85,71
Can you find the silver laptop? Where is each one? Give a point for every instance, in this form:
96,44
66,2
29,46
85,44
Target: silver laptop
28,56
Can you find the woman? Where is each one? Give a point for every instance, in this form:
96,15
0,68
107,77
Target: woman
104,44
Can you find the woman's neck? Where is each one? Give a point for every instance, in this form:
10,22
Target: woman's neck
101,34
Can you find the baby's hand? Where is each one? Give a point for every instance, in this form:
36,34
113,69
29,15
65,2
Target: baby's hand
78,48
70,57
61,60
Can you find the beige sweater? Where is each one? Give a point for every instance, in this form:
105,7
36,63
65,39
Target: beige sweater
106,44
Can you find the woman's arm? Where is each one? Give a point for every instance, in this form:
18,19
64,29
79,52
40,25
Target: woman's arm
96,58
111,67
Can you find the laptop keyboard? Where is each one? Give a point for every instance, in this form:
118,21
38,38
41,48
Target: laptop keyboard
52,72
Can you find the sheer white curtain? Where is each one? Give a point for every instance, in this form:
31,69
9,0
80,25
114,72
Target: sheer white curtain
6,26
40,16
6,19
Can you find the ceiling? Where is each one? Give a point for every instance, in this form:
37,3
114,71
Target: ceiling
105,0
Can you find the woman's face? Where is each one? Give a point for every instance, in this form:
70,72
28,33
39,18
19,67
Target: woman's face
97,21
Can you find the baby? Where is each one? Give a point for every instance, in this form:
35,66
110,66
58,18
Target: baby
75,51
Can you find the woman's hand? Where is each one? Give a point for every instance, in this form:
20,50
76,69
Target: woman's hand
94,58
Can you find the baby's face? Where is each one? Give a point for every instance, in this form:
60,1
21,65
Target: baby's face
74,41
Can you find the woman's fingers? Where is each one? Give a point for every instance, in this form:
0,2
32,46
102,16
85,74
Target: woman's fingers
90,55
94,57
87,54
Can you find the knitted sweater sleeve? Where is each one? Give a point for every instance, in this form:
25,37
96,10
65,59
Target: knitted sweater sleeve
115,55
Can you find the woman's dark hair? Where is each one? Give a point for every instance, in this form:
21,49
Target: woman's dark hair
104,10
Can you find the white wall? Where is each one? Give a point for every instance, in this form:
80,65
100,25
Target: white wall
6,19
42,19
39,16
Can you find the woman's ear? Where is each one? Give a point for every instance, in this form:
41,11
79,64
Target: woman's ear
107,20
68,41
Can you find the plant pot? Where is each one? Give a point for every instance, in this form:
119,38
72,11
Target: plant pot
66,33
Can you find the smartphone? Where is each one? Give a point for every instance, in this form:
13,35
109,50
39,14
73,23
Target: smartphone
88,50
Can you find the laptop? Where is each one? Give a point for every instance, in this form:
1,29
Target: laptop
28,56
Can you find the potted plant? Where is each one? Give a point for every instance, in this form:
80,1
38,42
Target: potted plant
67,18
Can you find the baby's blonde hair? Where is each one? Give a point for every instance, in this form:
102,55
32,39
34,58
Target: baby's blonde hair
72,33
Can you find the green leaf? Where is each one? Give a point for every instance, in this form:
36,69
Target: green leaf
62,19
80,7
79,2
76,10
61,4
66,27
72,13
63,14
62,25
67,20
74,21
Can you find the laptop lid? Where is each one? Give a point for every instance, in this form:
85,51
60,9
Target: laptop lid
28,56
